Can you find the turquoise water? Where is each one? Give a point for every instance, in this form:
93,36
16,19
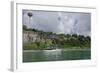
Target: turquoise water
55,55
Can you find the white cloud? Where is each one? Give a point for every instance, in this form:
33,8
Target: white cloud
59,22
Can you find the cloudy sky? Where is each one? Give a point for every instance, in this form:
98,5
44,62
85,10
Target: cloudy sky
58,22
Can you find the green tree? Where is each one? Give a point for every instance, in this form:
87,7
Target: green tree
68,35
74,35
24,27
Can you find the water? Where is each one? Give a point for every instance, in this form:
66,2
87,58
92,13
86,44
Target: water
55,55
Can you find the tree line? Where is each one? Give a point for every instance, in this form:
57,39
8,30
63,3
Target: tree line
64,41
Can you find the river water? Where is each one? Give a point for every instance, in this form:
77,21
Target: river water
55,55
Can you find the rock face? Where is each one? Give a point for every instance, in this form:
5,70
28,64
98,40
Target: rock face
29,36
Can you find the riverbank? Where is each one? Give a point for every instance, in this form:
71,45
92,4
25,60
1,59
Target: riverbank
60,49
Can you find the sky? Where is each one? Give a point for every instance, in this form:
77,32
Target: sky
58,22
